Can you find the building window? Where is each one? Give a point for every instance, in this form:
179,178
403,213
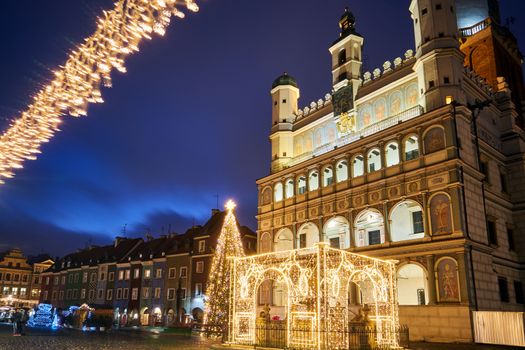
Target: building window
100,294
158,273
341,171
503,182
301,185
84,277
145,293
23,292
289,186
119,293
342,57
183,293
93,277
147,273
518,291
202,246
417,222
510,238
63,280
25,278
45,295
358,166
136,273
8,277
492,234
91,294
313,180
328,177
278,192
121,275
102,276
127,274
183,272
503,289
61,295
484,169
198,289
134,294
172,273
411,148
125,293
171,294
374,160
111,276
302,240
157,293
199,267
392,154
82,294
109,294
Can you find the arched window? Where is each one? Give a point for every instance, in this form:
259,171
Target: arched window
283,240
342,57
369,228
412,285
411,147
278,192
341,171
301,184
289,188
407,221
307,235
313,180
337,233
328,176
434,140
392,153
358,166
374,160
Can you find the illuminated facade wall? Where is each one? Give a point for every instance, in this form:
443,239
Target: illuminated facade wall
417,188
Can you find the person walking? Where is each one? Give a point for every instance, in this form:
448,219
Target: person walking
22,322
16,321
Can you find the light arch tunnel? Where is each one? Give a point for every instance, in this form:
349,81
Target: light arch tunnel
320,290
406,222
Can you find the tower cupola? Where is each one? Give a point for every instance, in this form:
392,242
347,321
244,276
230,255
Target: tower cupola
347,23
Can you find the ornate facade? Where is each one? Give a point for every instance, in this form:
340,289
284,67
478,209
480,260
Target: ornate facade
421,161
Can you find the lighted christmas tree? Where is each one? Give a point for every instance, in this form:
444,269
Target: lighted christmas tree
229,244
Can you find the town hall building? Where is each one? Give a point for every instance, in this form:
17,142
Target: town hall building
421,161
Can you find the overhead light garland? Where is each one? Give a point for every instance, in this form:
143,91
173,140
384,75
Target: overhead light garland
78,82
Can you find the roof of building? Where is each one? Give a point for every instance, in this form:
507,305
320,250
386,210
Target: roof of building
283,80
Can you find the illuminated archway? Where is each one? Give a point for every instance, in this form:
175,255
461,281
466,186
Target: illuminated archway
318,281
412,285
369,228
307,235
337,233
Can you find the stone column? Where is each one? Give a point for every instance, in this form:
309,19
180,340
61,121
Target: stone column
386,220
426,213
462,275
351,228
432,299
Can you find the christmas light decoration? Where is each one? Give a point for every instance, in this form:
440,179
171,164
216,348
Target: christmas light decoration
78,83
319,281
229,245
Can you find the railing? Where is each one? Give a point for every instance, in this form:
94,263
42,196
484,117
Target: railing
276,335
476,28
350,138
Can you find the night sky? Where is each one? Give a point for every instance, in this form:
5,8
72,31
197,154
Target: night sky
188,121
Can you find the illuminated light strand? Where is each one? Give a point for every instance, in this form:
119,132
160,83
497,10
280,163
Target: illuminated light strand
78,82
229,245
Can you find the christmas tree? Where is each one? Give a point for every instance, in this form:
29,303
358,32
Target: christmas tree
229,244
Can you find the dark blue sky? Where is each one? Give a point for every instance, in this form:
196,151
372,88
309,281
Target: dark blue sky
190,118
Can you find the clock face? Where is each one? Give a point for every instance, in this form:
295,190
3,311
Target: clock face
343,100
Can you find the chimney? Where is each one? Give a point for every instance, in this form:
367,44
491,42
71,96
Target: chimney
215,211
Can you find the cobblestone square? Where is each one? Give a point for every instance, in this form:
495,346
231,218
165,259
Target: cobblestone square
76,340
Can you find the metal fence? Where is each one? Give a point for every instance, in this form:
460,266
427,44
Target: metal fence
276,335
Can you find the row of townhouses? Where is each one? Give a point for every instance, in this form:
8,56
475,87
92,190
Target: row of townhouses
144,282
20,278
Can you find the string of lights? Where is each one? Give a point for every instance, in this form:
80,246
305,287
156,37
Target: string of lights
78,82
